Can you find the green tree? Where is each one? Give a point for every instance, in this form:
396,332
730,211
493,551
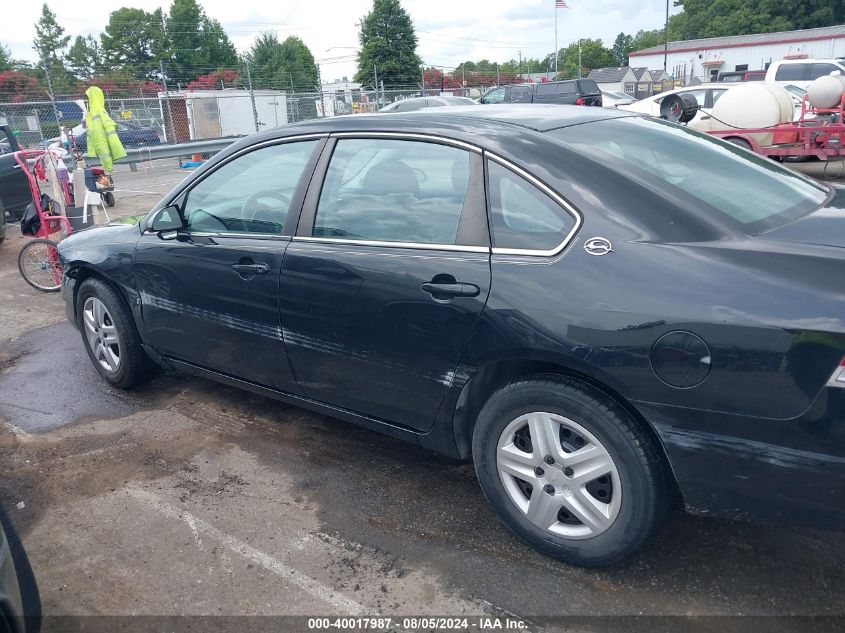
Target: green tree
50,39
219,51
198,43
622,46
282,65
134,42
84,58
6,61
715,18
388,44
593,55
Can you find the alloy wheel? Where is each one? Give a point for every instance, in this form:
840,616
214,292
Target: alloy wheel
101,333
559,475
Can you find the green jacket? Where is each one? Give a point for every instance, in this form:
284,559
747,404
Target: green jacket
102,140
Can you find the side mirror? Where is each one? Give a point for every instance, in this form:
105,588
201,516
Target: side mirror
167,219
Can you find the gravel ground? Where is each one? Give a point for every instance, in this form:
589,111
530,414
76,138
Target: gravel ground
185,497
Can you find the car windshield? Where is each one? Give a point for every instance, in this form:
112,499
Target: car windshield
752,192
796,90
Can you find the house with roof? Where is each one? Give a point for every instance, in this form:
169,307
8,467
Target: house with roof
639,82
704,59
614,79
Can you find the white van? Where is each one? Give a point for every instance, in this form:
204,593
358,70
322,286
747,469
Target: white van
800,72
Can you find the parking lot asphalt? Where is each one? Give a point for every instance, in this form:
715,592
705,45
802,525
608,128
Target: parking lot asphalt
188,497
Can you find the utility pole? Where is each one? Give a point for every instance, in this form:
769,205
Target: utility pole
167,99
579,58
251,93
666,37
375,80
422,76
497,73
520,60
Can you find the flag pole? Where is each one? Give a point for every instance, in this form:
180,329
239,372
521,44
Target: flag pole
556,50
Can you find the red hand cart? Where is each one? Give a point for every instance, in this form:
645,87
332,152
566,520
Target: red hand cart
38,261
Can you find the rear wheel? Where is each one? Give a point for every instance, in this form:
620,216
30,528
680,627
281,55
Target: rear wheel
569,471
740,142
109,334
38,263
109,198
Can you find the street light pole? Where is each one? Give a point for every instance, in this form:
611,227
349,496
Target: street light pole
666,37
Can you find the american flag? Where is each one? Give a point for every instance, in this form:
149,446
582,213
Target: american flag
560,4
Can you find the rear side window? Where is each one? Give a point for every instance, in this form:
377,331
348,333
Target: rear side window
791,72
698,171
522,216
520,94
588,86
566,88
393,191
545,89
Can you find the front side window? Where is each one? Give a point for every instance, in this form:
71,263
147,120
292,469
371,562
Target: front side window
495,96
820,70
701,172
250,194
393,191
717,94
522,216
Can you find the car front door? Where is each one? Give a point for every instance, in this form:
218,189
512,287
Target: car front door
210,292
387,276
15,193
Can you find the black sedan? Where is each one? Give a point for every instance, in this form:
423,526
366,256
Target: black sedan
607,313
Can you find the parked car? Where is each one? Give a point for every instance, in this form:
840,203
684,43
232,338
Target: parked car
14,186
705,95
131,134
613,99
418,103
800,72
742,75
572,91
656,315
20,604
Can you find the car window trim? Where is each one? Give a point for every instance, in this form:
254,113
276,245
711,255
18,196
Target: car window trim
312,197
298,196
548,191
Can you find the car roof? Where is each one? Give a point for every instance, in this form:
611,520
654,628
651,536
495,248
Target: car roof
481,118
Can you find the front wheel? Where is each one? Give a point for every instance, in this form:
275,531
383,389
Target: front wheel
568,470
109,334
39,265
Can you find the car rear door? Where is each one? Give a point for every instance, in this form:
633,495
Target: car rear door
210,295
387,275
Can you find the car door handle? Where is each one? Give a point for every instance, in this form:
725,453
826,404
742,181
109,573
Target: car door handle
251,269
438,290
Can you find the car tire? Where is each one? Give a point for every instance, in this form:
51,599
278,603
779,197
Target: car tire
109,335
597,523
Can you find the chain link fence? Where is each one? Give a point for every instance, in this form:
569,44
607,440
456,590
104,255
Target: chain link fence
180,116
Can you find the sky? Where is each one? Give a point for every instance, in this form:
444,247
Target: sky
449,31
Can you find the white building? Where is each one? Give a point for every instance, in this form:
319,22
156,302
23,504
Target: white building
704,59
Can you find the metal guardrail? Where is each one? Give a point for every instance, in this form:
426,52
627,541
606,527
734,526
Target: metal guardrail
157,152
